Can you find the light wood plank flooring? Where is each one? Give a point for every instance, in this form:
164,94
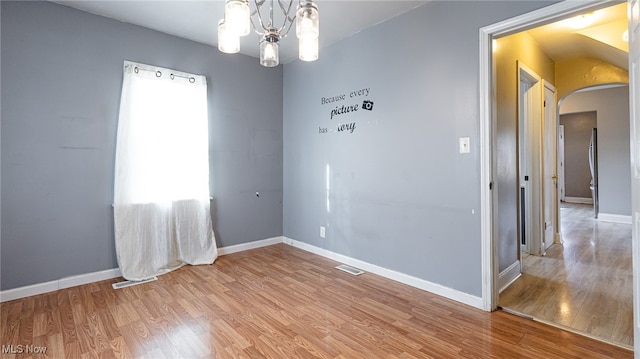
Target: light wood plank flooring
276,302
585,283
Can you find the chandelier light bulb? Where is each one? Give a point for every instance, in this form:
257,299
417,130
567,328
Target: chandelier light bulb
238,17
269,55
228,41
269,52
308,49
305,28
307,21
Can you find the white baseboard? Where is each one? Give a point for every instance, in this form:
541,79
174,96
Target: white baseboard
250,245
509,275
438,289
580,200
616,218
390,274
73,281
67,282
52,286
557,237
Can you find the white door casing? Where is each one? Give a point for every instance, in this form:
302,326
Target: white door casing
549,173
561,189
634,108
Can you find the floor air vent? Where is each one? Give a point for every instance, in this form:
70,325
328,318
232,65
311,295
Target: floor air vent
129,283
350,270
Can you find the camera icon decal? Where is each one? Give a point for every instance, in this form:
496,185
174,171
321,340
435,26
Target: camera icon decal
367,105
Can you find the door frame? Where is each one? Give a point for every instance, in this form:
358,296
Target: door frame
551,13
561,189
550,198
634,116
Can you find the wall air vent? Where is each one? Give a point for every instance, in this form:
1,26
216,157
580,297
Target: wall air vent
129,283
350,270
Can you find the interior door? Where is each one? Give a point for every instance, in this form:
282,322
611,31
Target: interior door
634,104
549,170
524,170
530,100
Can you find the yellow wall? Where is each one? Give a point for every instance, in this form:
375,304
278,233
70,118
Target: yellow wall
580,72
510,50
523,47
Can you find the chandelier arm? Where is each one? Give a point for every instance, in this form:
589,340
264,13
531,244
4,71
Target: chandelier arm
287,18
255,28
258,7
285,33
287,10
270,14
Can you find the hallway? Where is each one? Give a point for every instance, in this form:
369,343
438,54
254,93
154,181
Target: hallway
585,283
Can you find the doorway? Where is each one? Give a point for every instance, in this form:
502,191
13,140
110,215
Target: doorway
564,286
578,128
490,194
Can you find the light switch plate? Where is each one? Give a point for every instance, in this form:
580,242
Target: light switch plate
464,145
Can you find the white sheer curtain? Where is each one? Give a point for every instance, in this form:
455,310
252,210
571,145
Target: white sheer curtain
161,188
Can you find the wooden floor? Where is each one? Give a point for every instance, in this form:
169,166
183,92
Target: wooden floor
585,283
276,302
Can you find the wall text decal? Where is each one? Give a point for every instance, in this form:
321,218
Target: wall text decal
344,110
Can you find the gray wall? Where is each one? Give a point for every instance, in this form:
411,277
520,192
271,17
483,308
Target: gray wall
614,170
61,82
577,135
398,194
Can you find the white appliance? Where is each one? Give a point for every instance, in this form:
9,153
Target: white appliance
593,166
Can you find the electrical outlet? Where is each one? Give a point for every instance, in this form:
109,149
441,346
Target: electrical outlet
322,232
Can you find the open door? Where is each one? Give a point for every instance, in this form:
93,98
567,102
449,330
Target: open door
550,167
634,104
530,127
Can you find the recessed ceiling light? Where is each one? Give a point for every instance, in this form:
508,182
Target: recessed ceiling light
580,21
625,35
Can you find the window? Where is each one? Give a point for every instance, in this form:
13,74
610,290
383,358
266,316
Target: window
161,187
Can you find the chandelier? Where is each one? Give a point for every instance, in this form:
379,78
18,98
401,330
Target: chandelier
239,18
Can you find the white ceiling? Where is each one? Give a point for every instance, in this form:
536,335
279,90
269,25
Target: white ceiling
339,19
198,20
